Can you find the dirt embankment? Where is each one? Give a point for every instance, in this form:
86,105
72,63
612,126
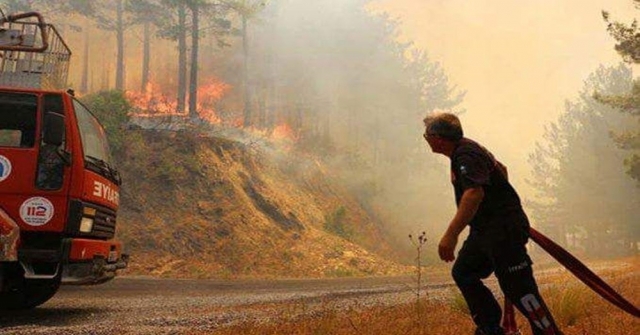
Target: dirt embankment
208,207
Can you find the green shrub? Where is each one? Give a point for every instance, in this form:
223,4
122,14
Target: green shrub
112,109
336,224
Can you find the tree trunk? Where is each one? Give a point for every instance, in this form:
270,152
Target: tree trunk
326,132
120,51
259,104
299,121
245,74
182,58
376,139
272,99
193,78
146,56
84,82
106,77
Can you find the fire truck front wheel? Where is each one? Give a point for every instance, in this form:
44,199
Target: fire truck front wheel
19,293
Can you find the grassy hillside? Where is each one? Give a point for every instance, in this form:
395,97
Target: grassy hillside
208,207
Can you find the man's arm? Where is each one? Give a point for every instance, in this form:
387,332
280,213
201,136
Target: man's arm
469,203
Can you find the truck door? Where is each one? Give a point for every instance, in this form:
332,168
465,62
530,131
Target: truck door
34,178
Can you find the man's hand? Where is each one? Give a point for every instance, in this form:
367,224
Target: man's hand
471,199
447,246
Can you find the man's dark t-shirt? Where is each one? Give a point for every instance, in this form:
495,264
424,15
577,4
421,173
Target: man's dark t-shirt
500,211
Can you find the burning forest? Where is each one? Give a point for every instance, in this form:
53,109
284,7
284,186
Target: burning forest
331,79
271,139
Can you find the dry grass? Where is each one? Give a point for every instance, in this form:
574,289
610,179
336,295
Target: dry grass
404,319
577,310
580,311
215,208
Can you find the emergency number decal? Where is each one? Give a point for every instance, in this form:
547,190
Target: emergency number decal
5,168
36,211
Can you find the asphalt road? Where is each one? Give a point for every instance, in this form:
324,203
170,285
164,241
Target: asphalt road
166,306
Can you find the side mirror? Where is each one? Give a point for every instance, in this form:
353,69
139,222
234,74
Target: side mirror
53,129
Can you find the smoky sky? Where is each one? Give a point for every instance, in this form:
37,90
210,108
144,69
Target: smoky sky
519,61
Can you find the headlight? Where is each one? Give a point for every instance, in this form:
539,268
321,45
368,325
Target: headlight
86,225
88,211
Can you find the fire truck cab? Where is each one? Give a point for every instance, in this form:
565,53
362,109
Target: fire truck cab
59,189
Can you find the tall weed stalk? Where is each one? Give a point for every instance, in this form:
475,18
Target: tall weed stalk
419,243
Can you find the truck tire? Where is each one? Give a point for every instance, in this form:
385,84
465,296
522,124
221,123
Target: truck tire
19,293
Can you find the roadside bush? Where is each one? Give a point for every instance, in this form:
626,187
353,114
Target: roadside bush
112,109
336,224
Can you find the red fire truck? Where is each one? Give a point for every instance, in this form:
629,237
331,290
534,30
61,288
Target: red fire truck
58,185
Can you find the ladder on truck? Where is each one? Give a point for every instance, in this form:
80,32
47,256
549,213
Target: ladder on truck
32,53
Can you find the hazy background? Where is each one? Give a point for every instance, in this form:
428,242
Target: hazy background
518,61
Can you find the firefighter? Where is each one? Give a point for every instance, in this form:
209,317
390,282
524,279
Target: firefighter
498,233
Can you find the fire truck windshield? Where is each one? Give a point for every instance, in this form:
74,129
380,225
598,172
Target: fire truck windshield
94,139
18,113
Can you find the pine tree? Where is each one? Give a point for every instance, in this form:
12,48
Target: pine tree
628,46
581,186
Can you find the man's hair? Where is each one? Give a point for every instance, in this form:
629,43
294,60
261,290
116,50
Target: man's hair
445,125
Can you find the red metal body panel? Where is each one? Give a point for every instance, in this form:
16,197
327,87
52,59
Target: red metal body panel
23,170
84,249
18,193
74,145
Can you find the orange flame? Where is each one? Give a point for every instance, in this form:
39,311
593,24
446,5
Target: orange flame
209,95
284,132
153,102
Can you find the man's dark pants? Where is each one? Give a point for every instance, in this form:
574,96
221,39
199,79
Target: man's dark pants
504,253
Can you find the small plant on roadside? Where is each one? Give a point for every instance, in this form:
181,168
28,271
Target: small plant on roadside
419,243
569,303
